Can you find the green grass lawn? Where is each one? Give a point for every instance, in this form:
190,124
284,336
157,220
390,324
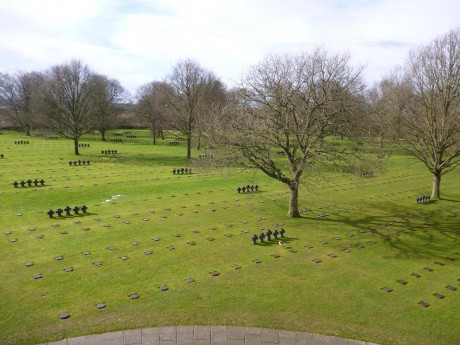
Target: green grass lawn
133,197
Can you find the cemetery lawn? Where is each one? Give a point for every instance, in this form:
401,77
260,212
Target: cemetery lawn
373,226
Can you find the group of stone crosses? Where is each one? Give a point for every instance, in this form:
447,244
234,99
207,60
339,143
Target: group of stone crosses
268,235
22,142
2,155
79,162
424,198
28,183
109,152
182,171
67,210
248,189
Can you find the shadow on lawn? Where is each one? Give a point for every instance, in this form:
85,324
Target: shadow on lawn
421,231
275,242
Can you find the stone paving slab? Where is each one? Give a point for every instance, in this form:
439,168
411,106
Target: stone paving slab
207,335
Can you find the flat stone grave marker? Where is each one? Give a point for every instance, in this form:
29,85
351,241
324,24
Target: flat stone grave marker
402,282
164,288
156,239
191,243
415,275
309,247
189,280
39,236
236,267
387,289
332,256
256,261
210,239
228,235
214,273
110,248
438,295
123,257
29,264
59,258
439,263
424,304
316,261
38,276
171,248
68,269
428,269
133,296
323,242
135,243
97,263
101,305
148,252
450,258
451,288
64,316
276,256
86,253
360,246
14,240
7,233
63,232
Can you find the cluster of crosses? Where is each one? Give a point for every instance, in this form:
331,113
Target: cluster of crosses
28,183
79,162
117,134
248,189
174,143
366,174
22,142
83,145
109,152
131,136
268,235
207,156
116,140
52,138
2,155
67,210
423,198
182,171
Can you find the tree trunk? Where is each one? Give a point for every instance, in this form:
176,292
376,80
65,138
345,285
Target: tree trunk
198,145
28,131
294,201
103,134
75,141
381,140
162,133
436,186
154,133
189,146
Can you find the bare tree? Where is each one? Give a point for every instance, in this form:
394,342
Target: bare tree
108,99
431,106
286,106
150,105
20,96
191,92
68,106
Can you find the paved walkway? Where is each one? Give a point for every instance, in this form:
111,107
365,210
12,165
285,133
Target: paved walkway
207,335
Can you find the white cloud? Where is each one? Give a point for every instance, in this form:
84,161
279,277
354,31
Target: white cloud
137,41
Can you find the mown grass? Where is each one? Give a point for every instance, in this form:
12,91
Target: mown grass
136,194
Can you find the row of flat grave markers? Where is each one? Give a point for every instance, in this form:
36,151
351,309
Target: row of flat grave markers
182,171
28,183
173,143
22,142
248,189
79,162
60,212
268,235
422,199
83,145
109,152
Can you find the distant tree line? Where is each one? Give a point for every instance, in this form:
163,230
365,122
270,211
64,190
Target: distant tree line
286,104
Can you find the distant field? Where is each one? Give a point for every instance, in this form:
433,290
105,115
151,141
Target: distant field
367,233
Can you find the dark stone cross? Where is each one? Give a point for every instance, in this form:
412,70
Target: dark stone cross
76,209
36,182
59,212
42,182
269,234
22,183
67,210
282,231
275,234
29,182
261,237
239,189
254,239
50,213
84,208
15,184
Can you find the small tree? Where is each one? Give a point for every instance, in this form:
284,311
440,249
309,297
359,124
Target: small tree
191,92
20,95
150,105
108,99
431,106
68,106
287,105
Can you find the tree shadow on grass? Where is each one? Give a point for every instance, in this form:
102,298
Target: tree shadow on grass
421,231
275,242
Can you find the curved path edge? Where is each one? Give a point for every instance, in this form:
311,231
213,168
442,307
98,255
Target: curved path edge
207,335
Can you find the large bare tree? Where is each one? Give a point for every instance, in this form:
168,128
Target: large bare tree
20,95
68,107
191,92
150,106
287,105
108,99
431,111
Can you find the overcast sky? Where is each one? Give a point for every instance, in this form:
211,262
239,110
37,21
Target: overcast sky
137,41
